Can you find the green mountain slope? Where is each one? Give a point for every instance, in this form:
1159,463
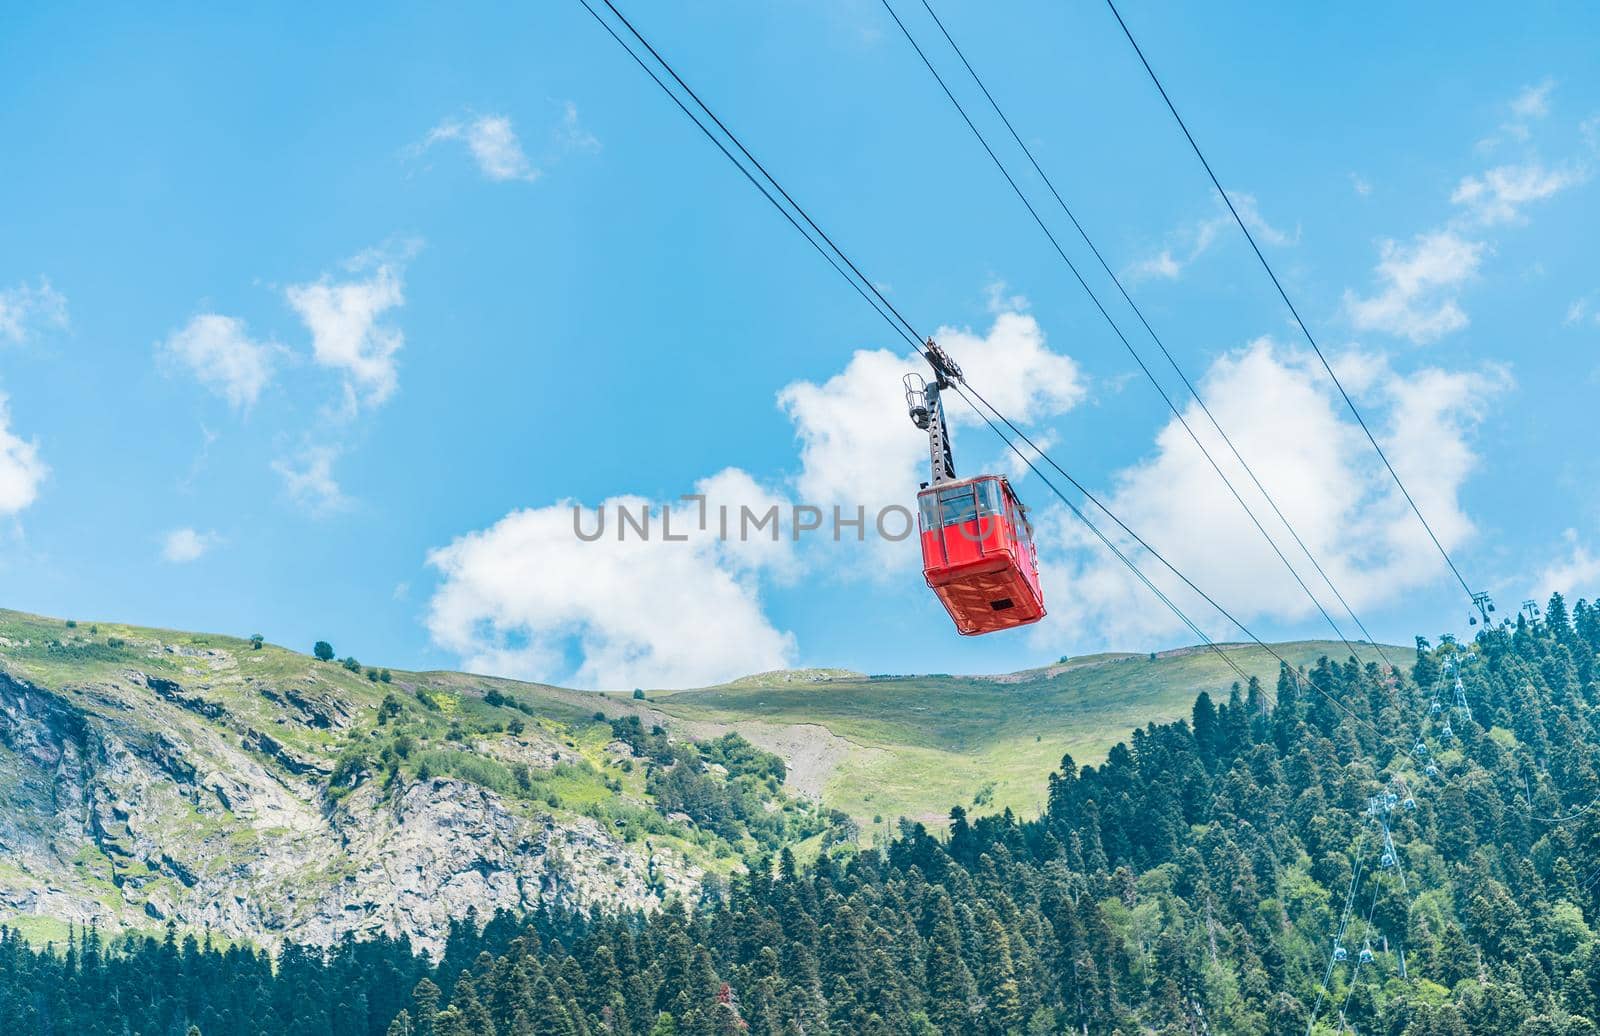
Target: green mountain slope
880,748
1336,857
149,774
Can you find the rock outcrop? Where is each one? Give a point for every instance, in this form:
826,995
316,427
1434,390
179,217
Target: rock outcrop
135,799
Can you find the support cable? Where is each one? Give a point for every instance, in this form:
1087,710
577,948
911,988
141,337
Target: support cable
897,321
1344,921
1356,971
907,331
1285,296
1171,360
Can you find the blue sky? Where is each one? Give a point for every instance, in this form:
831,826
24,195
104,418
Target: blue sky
315,323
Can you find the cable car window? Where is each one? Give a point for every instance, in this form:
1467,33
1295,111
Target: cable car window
930,511
989,498
958,505
1021,518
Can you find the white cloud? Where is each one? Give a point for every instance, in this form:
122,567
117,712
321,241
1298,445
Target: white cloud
570,135
1419,283
1161,265
1575,575
25,308
857,445
493,144
1190,243
1360,184
21,470
733,490
524,596
1418,297
1533,102
309,480
222,357
1497,195
1530,105
1282,413
997,299
184,545
1017,468
516,597
1250,212
346,334
497,151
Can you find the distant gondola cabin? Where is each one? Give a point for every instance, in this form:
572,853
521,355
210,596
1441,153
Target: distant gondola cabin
978,554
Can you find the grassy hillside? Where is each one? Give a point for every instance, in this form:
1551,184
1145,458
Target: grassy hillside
151,773
884,747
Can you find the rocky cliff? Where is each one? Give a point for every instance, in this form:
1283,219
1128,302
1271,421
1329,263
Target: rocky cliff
267,796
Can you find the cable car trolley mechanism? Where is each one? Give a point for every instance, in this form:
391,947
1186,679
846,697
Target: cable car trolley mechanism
978,555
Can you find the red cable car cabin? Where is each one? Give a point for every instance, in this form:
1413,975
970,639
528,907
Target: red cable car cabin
978,555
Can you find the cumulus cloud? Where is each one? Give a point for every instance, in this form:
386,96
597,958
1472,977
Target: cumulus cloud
1575,574
856,444
220,354
1419,282
1498,195
181,546
309,481
1283,414
347,334
523,596
21,470
517,597
26,308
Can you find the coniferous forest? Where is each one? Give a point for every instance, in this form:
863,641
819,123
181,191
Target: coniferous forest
1350,850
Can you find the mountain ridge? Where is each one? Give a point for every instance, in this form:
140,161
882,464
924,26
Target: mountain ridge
236,786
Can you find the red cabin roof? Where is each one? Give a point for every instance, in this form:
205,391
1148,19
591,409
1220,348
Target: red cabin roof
978,554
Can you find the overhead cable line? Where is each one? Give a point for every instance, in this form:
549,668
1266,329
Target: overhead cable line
1339,930
1171,360
902,322
1169,566
917,338
1095,299
962,390
1355,972
904,328
897,321
1404,749
1283,294
916,342
1138,359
